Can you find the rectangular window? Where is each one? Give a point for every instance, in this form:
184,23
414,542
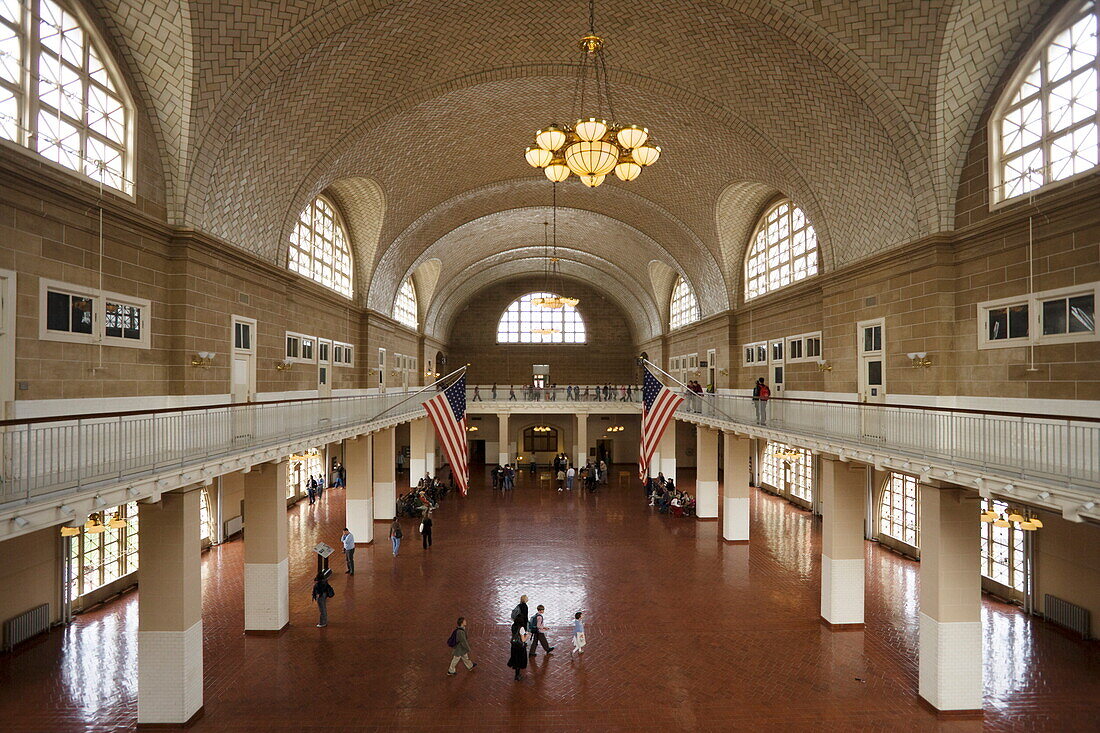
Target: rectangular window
1053,316
83,315
293,346
794,349
761,353
1069,315
777,352
323,350
872,338
242,336
813,347
750,354
338,353
307,348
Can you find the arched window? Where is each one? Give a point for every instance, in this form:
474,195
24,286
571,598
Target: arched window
783,250
1003,549
898,513
790,469
60,95
404,308
541,441
1044,128
319,247
683,307
523,322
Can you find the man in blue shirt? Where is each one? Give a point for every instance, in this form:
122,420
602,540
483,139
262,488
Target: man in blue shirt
348,540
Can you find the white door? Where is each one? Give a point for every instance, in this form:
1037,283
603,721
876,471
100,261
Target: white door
324,368
381,371
872,375
7,363
243,373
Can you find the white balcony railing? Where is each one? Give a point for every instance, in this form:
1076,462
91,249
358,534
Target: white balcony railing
47,455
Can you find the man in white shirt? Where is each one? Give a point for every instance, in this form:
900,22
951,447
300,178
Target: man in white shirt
348,540
569,476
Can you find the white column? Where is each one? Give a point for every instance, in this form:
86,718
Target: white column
668,451
950,666
266,568
429,450
735,488
170,611
706,477
843,491
385,489
418,434
505,451
580,445
359,495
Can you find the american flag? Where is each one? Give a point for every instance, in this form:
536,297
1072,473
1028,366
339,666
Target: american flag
447,411
658,404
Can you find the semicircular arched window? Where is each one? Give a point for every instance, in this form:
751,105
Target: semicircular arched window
782,251
683,308
523,322
60,94
404,307
1043,129
319,247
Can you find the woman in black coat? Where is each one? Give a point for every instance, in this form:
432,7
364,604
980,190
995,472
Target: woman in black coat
518,658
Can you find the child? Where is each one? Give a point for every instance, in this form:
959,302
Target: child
578,633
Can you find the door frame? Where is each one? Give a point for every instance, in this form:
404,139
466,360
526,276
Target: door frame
8,284
249,354
324,367
864,356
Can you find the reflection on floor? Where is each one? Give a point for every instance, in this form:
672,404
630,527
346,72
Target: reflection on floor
685,632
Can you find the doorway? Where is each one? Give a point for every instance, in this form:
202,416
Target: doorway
324,368
477,452
872,376
605,451
244,359
7,360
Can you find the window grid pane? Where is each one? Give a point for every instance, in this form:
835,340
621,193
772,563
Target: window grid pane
899,515
783,251
1003,550
517,323
404,308
683,307
319,248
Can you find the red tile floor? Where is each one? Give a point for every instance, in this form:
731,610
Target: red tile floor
685,633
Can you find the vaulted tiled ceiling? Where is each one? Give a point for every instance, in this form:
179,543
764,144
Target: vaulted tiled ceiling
858,110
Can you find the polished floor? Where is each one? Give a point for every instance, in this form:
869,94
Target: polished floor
685,633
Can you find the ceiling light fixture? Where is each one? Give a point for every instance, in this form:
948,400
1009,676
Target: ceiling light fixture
551,274
593,146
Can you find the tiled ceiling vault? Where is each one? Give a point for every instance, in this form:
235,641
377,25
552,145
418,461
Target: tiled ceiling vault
413,117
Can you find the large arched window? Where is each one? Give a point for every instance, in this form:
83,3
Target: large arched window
782,251
319,247
404,307
1044,128
60,95
683,308
523,322
898,513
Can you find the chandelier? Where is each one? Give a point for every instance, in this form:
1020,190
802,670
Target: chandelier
551,273
1024,519
542,429
593,146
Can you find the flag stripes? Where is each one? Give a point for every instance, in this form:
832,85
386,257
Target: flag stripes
659,403
447,411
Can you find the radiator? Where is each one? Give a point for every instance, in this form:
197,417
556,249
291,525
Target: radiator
25,625
1067,614
233,526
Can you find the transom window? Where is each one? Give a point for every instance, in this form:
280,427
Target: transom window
404,307
1044,129
783,250
1003,550
898,514
319,247
683,308
59,96
523,322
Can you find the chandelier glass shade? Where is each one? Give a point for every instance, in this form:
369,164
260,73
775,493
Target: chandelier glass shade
593,146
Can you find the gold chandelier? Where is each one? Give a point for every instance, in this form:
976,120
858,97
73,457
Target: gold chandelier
1023,519
552,274
593,146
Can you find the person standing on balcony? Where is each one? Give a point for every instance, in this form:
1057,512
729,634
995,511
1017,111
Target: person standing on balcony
511,393
477,394
760,396
494,392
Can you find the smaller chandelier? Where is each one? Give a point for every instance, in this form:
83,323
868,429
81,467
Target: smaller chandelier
545,331
542,429
1023,519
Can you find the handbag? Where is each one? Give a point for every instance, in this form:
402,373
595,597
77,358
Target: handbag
421,528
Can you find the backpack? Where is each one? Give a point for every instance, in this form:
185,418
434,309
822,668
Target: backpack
515,614
329,591
765,393
452,640
397,534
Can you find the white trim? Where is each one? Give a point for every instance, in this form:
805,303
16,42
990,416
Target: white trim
8,301
302,337
1034,303
99,300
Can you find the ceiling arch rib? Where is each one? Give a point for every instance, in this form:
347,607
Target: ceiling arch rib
448,306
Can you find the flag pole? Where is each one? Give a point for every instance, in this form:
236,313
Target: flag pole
662,371
414,394
715,407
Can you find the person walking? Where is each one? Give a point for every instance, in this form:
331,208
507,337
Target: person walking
348,540
477,394
517,657
538,633
460,647
519,613
561,479
322,591
570,474
320,485
426,529
395,535
760,396
494,392
311,489
511,393
578,633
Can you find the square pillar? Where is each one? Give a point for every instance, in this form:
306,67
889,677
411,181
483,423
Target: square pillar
950,666
735,487
843,496
385,489
580,445
429,450
359,494
667,448
266,569
170,611
418,439
706,476
504,455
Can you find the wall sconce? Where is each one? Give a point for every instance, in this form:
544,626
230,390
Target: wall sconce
919,360
431,375
724,372
472,429
824,366
203,359
282,366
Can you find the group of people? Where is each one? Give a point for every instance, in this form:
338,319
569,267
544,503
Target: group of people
663,494
693,395
316,485
504,477
549,393
422,498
